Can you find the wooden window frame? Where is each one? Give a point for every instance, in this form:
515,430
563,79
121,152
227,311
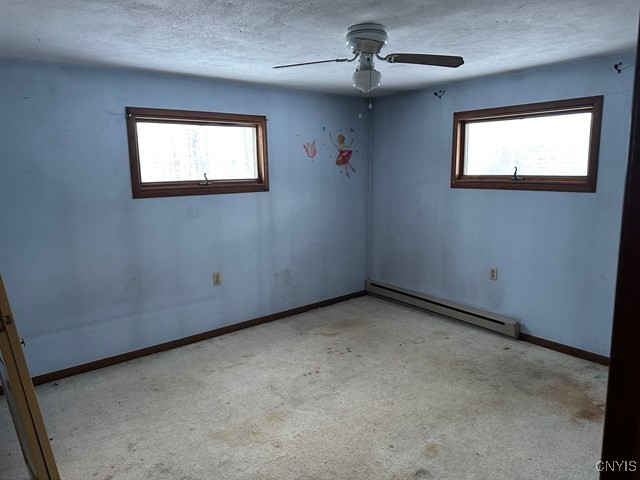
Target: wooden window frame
508,182
194,187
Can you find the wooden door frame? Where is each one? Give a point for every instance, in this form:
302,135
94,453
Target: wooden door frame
23,403
621,440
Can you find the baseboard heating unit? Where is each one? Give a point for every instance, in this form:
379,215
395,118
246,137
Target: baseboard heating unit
498,323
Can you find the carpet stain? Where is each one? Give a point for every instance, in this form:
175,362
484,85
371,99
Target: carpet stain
345,326
431,450
315,370
573,396
327,334
355,321
333,329
338,351
161,468
255,431
439,333
561,390
423,474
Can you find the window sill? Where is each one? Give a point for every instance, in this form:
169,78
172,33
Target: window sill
527,183
178,189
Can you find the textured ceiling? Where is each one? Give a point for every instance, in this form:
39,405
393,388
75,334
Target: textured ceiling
243,40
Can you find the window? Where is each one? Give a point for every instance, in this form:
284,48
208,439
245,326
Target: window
540,146
177,152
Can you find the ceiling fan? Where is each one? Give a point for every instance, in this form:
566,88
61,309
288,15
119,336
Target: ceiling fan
365,41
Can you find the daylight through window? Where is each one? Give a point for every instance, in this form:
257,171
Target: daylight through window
190,153
544,146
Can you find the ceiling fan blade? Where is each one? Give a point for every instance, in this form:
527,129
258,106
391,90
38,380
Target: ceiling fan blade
424,59
319,61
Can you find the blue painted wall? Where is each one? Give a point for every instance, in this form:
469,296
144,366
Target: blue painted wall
556,252
91,272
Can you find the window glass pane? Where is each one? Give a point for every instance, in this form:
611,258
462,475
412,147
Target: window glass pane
553,145
171,152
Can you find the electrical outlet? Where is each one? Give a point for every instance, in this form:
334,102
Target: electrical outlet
217,278
493,273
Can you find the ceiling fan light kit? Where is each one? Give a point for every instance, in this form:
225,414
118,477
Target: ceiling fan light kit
366,40
366,79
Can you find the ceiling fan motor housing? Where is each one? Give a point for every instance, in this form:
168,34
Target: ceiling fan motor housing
367,38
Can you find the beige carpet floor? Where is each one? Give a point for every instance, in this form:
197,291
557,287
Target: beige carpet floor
361,390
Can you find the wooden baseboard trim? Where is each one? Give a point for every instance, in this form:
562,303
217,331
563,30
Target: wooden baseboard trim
559,347
124,357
